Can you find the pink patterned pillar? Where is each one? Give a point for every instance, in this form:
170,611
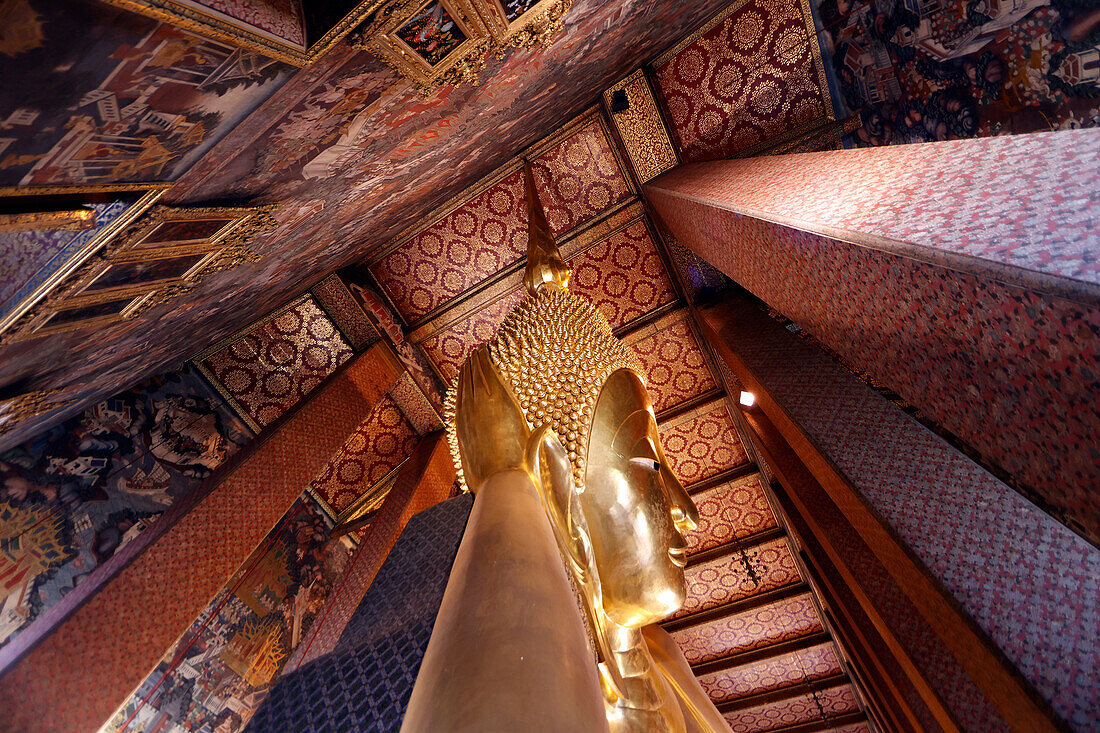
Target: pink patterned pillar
962,275
424,481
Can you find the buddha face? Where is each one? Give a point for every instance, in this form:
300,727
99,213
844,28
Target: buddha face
635,508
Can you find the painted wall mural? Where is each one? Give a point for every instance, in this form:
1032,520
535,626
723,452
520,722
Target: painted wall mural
109,96
76,494
924,70
221,668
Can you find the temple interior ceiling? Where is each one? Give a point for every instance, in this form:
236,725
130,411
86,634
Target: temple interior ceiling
346,149
390,212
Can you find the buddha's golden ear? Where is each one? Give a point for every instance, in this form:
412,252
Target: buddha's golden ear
549,465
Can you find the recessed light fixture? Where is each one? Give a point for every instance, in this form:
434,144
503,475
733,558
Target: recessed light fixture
748,399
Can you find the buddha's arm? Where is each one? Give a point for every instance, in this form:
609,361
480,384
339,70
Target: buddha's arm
699,712
508,649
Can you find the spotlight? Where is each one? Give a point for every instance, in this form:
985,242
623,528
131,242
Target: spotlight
748,399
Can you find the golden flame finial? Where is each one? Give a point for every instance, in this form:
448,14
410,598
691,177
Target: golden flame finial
546,270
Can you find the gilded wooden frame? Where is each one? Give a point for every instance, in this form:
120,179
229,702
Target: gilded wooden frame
222,250
462,64
191,18
536,26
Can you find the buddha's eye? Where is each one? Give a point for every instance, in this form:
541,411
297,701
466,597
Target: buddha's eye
648,463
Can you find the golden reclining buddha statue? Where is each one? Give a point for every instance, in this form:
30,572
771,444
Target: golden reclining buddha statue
576,507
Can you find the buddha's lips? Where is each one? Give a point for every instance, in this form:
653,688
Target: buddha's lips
678,556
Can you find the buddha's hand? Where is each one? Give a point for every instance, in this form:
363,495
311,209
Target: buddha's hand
492,432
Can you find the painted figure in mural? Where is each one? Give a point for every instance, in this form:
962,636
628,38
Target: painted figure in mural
557,395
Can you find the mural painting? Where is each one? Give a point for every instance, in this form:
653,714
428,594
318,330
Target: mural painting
76,494
109,96
220,670
432,33
927,70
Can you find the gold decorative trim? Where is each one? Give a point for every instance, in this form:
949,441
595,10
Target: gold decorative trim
694,36
25,406
224,250
93,188
97,242
204,24
354,517
483,22
642,128
72,220
460,65
230,400
536,27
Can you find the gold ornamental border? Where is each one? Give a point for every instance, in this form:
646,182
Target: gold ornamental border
123,242
194,20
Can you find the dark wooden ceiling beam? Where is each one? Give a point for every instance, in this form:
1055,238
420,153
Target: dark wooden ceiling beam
744,543
730,474
686,406
765,652
739,606
782,693
833,722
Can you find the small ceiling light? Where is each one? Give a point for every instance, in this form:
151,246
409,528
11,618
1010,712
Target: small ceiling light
748,399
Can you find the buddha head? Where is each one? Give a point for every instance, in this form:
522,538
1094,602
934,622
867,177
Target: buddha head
569,374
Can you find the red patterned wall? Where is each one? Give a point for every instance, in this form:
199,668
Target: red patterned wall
702,443
276,362
119,634
792,711
378,445
725,579
754,75
759,627
731,511
777,672
675,369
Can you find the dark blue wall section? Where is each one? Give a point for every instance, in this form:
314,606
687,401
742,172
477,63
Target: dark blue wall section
364,684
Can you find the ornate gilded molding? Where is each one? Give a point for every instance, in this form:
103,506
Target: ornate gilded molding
242,35
642,129
142,265
25,406
484,27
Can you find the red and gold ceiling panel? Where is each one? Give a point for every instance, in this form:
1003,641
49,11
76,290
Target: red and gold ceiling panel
806,708
578,177
271,365
623,275
753,74
725,579
449,348
380,443
702,443
769,624
784,670
729,512
674,365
